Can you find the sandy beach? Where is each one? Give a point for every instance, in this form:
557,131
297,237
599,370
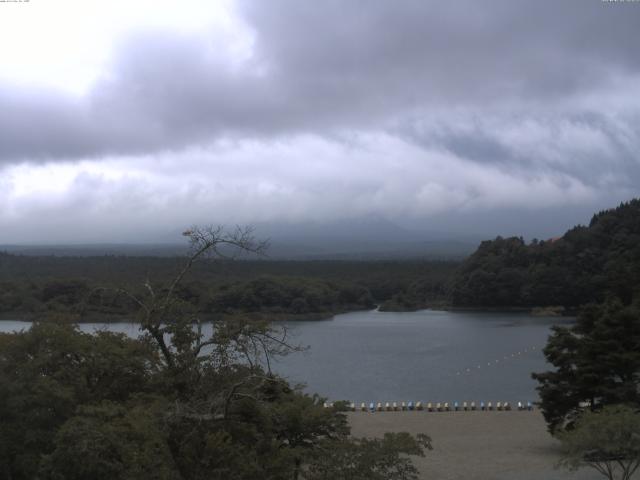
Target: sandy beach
476,445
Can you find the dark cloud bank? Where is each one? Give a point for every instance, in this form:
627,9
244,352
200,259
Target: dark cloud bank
538,91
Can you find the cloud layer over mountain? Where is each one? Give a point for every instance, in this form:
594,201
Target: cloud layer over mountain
425,112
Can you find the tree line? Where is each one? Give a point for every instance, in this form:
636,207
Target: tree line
40,287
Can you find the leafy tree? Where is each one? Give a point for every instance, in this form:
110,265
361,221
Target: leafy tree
608,441
47,372
172,404
112,440
587,264
368,459
597,363
300,423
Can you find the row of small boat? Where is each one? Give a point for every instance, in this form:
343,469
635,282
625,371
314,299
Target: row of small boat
436,407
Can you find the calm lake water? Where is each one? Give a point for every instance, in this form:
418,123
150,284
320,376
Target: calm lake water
427,355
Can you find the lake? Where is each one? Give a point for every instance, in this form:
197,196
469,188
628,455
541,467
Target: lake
427,355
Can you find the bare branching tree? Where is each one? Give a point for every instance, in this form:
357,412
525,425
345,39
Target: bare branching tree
232,361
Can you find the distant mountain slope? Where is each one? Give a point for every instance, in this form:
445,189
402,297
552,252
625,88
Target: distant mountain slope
365,238
584,265
98,249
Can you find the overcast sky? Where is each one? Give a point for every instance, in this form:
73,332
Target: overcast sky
125,121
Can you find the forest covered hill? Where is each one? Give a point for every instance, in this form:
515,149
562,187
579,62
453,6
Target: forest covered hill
586,264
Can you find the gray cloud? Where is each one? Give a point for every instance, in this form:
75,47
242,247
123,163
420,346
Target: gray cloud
597,148
417,50
307,179
344,65
411,109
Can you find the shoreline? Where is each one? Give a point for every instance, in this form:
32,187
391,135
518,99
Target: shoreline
292,317
117,318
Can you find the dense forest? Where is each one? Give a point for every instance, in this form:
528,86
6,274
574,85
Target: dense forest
585,265
90,287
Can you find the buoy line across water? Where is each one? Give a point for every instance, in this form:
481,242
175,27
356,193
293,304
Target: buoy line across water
505,360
